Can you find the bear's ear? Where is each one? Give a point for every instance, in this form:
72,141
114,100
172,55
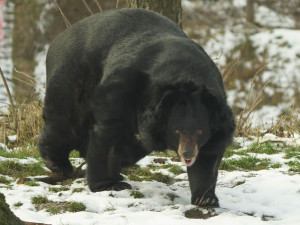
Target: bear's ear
221,116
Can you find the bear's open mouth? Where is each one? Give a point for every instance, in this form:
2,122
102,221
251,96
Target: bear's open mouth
188,162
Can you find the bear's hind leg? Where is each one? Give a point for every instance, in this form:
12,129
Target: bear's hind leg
104,163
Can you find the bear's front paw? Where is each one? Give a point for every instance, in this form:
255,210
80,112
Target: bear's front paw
65,168
118,186
207,199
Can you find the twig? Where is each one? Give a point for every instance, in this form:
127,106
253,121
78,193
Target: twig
251,87
32,82
117,5
228,74
68,24
99,6
79,167
25,74
87,6
12,106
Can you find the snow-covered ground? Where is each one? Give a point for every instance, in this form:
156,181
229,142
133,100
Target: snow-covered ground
246,197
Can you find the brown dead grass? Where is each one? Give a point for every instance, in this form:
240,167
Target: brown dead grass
29,124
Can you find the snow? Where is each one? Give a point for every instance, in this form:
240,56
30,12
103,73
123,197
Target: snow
269,197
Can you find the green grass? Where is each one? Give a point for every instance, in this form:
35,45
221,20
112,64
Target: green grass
172,196
74,154
292,152
18,204
77,190
246,163
21,153
4,180
136,173
264,148
31,183
39,200
276,165
230,151
53,210
294,166
175,169
76,207
56,189
136,194
18,170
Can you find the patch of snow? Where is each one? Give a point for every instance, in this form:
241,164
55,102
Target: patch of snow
268,17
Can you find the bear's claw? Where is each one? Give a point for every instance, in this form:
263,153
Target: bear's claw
207,200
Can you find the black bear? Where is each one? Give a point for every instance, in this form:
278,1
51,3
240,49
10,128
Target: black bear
125,82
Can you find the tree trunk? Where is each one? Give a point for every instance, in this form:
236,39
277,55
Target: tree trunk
169,8
25,31
250,11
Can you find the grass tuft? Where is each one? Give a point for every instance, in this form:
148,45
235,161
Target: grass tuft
56,189
246,163
18,170
76,207
294,166
77,190
31,183
39,200
18,204
136,194
172,196
53,210
29,120
4,180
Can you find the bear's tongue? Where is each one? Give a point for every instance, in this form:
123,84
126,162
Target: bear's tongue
188,162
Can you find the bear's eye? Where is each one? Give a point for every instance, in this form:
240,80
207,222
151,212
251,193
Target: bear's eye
199,132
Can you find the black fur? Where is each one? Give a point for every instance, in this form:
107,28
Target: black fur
120,73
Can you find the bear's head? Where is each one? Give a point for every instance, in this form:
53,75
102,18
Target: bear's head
188,128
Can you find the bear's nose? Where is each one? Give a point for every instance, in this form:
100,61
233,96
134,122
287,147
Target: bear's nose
188,154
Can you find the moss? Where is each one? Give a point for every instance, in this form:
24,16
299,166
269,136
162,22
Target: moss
6,215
